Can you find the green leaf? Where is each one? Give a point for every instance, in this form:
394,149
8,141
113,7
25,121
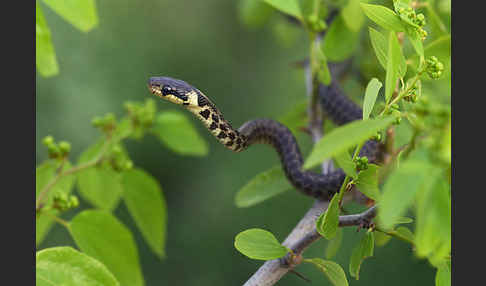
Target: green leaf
179,135
443,275
383,16
404,220
254,13
381,238
290,7
344,161
399,190
433,227
68,267
81,14
363,250
380,46
334,244
144,199
44,173
100,185
262,187
395,57
440,48
295,118
353,15
342,138
328,222
367,182
371,93
415,40
101,236
333,271
45,56
340,41
259,244
405,232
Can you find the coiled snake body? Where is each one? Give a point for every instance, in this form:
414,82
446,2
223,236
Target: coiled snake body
267,131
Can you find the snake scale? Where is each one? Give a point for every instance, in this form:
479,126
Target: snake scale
339,108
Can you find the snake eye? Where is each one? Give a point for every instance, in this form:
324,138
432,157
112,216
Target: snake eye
166,90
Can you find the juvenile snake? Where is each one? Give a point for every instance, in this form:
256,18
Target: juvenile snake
268,131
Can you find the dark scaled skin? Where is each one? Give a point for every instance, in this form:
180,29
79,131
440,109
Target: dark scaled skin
268,131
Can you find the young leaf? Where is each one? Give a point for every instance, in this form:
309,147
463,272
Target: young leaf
290,7
395,57
328,222
262,187
381,238
69,267
44,173
371,93
101,184
81,14
363,250
179,135
344,161
353,15
101,236
405,232
259,244
254,13
380,46
433,227
334,244
367,182
333,271
345,137
404,219
45,56
383,16
399,190
443,275
144,199
340,41
416,41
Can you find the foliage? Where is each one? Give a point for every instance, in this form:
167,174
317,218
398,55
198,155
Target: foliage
416,172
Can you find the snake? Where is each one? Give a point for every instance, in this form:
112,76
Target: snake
268,131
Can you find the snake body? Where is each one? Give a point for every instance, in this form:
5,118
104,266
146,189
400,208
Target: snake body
267,131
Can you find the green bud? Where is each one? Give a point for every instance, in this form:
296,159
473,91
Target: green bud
377,137
97,122
73,202
64,147
48,140
53,150
398,117
128,165
117,150
110,118
395,106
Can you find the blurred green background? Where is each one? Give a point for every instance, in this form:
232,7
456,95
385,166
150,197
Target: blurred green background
249,74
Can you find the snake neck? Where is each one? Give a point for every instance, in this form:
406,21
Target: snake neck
220,128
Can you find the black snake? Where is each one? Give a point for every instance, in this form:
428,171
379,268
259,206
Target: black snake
268,131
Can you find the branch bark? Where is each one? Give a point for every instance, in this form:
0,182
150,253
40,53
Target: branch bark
301,237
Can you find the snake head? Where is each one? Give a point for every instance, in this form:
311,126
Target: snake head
174,90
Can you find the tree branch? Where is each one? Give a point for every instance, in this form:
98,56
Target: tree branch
301,237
